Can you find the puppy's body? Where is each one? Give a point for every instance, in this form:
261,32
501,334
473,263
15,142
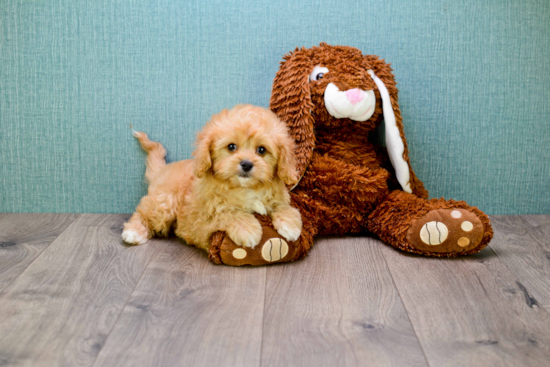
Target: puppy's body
213,205
229,179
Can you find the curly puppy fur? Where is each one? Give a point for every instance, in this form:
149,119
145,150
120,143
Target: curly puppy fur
243,161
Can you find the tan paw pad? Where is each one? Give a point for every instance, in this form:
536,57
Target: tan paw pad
467,226
456,214
446,231
271,249
239,253
434,233
463,241
274,249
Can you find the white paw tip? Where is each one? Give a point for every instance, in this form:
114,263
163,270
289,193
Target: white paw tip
467,226
132,237
251,241
274,249
239,253
456,214
434,233
290,233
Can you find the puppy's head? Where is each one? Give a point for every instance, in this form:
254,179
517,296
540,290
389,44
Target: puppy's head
245,146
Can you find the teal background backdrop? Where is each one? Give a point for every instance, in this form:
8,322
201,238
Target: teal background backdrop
474,80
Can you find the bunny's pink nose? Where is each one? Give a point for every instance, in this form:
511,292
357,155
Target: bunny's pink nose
354,95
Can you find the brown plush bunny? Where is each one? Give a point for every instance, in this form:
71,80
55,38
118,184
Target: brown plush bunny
332,98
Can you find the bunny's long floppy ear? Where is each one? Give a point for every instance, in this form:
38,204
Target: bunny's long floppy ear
291,102
395,136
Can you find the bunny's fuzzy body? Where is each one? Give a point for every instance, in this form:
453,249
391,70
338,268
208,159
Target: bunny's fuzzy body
332,98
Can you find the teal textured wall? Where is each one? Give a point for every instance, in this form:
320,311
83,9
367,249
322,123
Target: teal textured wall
474,80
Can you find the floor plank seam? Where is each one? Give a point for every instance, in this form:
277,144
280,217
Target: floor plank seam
263,319
124,306
38,256
404,306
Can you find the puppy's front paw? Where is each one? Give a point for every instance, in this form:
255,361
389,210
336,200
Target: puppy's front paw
289,231
246,234
288,223
133,238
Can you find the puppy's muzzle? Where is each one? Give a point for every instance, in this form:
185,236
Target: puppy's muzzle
246,166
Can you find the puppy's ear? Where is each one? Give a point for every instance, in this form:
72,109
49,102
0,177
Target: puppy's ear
286,164
291,102
202,161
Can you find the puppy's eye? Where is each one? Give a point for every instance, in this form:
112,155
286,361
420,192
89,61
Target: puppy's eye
232,147
318,73
261,150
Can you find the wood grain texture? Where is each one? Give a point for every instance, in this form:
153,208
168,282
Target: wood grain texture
187,311
523,244
471,311
61,309
338,307
23,237
85,299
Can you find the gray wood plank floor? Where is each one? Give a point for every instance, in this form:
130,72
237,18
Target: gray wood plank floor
71,294
23,237
340,307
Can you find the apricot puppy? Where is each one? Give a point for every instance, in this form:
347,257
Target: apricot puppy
243,162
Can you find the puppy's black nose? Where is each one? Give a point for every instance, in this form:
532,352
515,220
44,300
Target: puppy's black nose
246,165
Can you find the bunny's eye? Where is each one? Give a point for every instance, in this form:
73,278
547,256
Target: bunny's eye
318,73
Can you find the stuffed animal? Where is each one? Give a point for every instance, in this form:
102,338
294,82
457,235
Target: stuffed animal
332,98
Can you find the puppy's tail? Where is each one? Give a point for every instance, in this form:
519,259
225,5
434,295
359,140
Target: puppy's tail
155,155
